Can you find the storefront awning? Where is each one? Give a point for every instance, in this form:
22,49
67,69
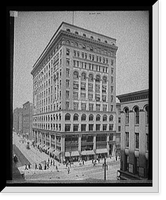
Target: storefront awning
101,151
73,153
84,153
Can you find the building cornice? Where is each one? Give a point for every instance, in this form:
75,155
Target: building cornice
56,39
143,94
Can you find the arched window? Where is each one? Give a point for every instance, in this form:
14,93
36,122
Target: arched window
83,76
75,75
83,117
111,118
98,117
104,79
126,110
97,78
90,77
90,117
147,114
136,115
67,117
104,117
75,117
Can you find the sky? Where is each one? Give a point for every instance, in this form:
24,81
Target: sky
33,31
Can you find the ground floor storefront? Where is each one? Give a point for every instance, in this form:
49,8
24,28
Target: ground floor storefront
75,146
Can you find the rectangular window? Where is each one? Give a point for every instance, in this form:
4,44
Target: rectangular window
112,108
90,127
112,70
75,106
90,96
104,107
67,127
83,95
119,120
112,89
75,95
67,83
97,97
104,98
104,127
127,163
104,88
137,140
97,127
67,72
83,106
75,127
90,87
74,63
112,62
90,106
97,107
67,61
67,94
127,139
119,128
67,52
75,85
111,127
67,105
83,127
83,86
97,88
112,79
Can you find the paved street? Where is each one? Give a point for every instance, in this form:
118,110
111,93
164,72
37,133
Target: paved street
77,172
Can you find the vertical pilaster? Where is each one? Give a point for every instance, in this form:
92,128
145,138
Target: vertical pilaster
94,145
79,144
108,145
62,148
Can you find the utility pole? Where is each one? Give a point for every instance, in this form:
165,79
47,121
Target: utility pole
105,166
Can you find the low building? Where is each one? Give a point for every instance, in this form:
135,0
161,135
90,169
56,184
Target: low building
134,163
17,120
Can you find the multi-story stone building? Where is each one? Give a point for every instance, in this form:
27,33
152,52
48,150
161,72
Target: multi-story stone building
134,135
17,120
27,119
74,85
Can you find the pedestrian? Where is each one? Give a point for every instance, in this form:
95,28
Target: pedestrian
29,165
83,162
45,167
57,168
68,169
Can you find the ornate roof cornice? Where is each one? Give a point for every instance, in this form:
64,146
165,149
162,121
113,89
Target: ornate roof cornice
139,95
57,40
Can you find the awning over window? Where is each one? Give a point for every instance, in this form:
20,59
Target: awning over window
73,153
101,151
87,152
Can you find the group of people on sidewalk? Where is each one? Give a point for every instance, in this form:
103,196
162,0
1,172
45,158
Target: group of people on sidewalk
42,166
